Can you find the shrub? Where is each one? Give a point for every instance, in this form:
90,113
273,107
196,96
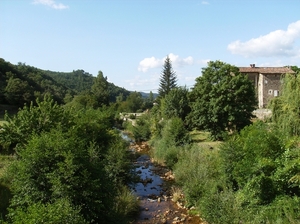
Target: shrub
174,138
141,130
126,205
199,172
61,211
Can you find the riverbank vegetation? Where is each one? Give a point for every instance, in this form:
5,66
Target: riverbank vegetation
67,159
62,160
252,176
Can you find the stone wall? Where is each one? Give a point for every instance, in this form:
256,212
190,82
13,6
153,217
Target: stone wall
262,114
271,86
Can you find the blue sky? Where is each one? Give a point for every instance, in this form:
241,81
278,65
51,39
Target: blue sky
128,40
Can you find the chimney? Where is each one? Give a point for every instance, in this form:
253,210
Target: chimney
252,65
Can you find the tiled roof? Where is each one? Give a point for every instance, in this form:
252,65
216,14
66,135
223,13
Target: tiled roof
269,70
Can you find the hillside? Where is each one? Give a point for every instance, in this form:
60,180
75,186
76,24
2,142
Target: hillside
22,83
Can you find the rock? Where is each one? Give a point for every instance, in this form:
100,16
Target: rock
164,221
158,200
176,218
146,209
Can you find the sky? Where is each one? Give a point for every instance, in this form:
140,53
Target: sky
128,40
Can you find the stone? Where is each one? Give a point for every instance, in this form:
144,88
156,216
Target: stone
164,221
176,218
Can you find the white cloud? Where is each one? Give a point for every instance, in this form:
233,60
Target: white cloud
144,84
51,3
276,43
148,63
153,62
205,3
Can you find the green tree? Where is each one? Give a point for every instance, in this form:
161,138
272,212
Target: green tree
295,69
286,107
168,79
60,211
18,92
100,89
64,165
84,100
33,120
176,103
221,100
134,102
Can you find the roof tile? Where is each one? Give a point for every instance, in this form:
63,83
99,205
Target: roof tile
269,70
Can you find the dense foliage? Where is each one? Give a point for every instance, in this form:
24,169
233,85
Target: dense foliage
254,177
71,166
176,103
286,108
77,80
65,158
221,100
22,84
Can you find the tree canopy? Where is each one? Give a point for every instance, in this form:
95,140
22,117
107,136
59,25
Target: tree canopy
221,100
176,103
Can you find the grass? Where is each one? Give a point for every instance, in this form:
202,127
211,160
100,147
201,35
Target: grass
203,139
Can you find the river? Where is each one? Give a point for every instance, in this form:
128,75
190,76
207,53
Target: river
154,191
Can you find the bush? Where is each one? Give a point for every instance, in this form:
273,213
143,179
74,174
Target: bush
199,172
174,138
126,205
61,211
81,160
141,130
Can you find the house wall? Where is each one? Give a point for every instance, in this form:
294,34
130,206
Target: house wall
271,86
267,87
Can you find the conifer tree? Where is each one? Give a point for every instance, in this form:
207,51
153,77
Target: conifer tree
168,79
100,89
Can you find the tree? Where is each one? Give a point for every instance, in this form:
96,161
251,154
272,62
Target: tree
100,89
286,107
222,100
168,79
18,91
46,115
176,103
58,165
134,102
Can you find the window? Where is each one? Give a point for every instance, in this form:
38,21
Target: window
276,92
270,92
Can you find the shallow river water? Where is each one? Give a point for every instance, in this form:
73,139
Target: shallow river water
154,195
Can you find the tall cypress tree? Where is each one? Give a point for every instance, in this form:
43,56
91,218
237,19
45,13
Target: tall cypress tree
168,79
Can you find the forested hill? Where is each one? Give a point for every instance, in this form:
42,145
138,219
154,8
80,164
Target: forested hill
81,81
77,80
22,83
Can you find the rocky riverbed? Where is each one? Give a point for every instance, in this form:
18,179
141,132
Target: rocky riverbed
154,191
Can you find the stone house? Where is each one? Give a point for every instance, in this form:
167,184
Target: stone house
267,81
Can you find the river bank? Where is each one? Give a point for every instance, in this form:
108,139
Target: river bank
155,192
